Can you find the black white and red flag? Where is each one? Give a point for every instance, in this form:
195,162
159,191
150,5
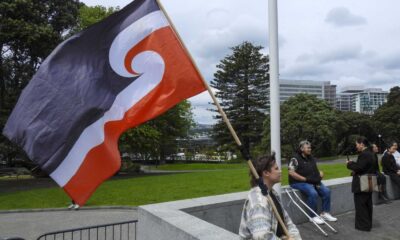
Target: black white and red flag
115,75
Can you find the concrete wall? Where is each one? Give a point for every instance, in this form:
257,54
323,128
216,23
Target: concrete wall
393,191
218,217
170,221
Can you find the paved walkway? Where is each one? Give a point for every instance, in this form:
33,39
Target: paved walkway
31,224
386,226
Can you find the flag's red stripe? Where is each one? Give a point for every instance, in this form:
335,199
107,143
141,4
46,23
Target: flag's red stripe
180,81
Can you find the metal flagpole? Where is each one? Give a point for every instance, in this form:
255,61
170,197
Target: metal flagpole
226,120
274,84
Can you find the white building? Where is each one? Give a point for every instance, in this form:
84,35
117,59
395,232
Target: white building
344,98
320,89
369,100
362,100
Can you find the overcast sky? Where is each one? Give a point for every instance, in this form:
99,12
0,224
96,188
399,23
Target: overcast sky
346,42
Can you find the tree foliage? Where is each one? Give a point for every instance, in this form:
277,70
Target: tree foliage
304,117
29,31
331,131
387,117
242,81
159,137
350,124
91,15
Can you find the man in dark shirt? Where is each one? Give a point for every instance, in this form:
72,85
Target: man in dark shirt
305,176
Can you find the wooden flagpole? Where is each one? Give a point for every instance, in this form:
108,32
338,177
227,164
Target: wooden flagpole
224,117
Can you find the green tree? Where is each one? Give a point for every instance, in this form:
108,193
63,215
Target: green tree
387,117
160,137
91,15
242,82
29,31
304,117
350,124
174,126
142,141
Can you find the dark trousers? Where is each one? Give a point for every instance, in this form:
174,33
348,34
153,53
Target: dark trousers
363,205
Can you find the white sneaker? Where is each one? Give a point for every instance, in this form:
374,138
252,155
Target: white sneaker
328,217
71,206
76,207
317,220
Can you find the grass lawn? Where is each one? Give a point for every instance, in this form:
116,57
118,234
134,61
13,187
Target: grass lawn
337,157
16,178
152,189
199,166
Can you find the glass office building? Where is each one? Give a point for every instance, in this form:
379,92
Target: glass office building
368,101
358,99
320,89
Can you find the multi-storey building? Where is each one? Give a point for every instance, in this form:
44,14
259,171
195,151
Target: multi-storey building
320,89
358,99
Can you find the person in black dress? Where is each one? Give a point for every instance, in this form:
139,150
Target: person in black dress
389,166
365,164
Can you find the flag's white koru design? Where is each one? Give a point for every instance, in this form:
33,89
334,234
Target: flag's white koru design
120,61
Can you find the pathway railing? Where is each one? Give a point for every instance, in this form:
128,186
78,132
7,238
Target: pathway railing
114,231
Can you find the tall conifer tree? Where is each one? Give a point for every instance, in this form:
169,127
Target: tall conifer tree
242,82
